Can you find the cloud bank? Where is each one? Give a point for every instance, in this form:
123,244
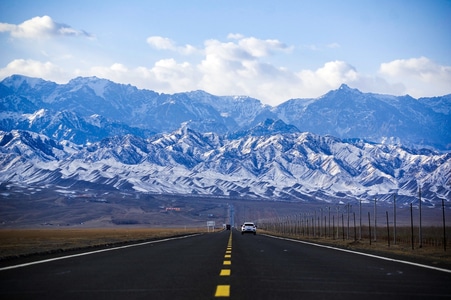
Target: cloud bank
237,65
40,27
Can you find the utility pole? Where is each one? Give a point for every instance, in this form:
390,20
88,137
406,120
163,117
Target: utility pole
328,232
375,217
338,220
320,223
420,233
394,219
347,229
360,217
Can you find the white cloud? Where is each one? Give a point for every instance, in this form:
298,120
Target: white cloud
159,42
179,77
33,68
162,43
261,48
243,66
235,36
236,68
420,76
337,72
166,75
40,27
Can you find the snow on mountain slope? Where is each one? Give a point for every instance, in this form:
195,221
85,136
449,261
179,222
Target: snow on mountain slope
294,166
344,112
345,144
349,113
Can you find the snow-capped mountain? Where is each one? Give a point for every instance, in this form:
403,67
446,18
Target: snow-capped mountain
343,145
67,125
124,109
283,165
349,113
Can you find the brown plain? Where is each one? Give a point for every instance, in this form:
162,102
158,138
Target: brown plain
24,242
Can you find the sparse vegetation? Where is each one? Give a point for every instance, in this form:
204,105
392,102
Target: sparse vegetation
24,242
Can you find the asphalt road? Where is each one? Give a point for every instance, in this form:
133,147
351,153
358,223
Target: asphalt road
221,265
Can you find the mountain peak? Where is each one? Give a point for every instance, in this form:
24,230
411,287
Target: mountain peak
15,81
344,87
98,85
344,112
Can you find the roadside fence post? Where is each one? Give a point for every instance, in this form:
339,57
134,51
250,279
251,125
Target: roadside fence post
388,229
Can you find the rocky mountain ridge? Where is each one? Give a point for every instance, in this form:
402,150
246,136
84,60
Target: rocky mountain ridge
344,145
280,166
91,109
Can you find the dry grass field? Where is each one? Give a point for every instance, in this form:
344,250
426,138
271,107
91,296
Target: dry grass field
24,242
48,221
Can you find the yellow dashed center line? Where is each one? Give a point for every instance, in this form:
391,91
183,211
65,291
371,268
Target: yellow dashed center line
225,272
223,290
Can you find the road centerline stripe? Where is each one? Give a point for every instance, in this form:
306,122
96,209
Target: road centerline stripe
222,291
225,272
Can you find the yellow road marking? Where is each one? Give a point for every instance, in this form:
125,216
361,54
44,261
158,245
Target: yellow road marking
225,272
222,291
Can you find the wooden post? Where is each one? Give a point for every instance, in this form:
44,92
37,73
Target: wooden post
329,223
420,230
388,230
444,226
347,229
338,220
343,226
333,227
394,219
360,219
411,225
375,218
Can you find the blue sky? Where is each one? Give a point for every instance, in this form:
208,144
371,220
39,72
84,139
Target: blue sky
270,50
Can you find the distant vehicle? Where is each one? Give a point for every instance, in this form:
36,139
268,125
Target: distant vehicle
248,227
228,226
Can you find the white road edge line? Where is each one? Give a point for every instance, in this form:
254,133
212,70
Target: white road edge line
361,253
94,252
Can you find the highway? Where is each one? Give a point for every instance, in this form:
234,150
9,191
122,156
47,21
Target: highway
224,265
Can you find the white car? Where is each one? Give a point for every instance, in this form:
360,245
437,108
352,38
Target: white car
248,227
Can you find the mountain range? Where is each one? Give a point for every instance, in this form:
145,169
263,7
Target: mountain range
343,145
90,109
